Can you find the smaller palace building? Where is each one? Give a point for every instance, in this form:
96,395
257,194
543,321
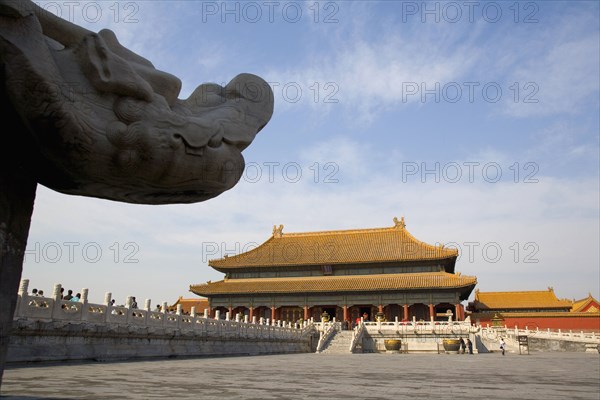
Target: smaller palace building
535,309
347,274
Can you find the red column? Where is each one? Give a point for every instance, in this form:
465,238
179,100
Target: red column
273,313
431,312
305,313
230,312
405,312
251,314
457,315
380,308
345,312
210,312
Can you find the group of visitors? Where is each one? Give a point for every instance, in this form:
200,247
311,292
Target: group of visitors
465,346
69,296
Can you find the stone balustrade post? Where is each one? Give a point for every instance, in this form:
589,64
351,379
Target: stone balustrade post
179,309
57,300
254,319
193,312
206,313
107,298
246,319
268,321
217,314
56,292
84,295
129,301
227,316
24,287
22,295
164,308
148,305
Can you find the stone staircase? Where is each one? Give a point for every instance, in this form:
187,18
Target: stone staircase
339,343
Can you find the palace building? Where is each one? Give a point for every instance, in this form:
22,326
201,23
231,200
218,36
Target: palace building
533,309
346,273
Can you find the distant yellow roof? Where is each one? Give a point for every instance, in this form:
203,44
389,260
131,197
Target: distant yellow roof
187,304
343,283
354,246
589,304
544,299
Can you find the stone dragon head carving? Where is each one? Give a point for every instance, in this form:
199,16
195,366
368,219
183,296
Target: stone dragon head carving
96,119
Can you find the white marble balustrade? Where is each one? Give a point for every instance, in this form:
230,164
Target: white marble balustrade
55,309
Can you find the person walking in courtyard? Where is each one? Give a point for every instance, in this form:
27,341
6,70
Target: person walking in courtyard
502,345
461,349
469,346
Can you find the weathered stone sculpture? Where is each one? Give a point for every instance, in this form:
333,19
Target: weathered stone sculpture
83,115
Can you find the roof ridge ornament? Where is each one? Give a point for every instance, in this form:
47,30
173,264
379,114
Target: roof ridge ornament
399,224
277,231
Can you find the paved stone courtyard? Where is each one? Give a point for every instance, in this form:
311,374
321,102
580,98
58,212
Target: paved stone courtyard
312,376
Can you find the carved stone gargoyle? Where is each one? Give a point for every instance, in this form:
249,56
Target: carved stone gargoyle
84,115
104,122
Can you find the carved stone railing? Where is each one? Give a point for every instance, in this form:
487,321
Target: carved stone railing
570,336
357,336
326,332
410,328
53,308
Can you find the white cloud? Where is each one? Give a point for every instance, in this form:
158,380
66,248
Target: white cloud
563,80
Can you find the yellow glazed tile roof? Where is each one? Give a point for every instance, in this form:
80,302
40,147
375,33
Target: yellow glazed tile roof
589,304
345,283
539,314
337,247
519,300
187,304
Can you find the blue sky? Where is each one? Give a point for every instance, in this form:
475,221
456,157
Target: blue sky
477,122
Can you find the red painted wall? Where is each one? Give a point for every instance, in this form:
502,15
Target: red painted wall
554,323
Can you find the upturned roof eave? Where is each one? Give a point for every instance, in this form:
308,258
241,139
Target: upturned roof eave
468,283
